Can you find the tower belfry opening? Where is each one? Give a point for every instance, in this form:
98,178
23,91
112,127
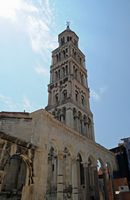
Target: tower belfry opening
68,98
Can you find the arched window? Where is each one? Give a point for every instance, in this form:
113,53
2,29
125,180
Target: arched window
76,73
82,100
82,78
64,113
66,70
76,95
64,54
56,98
62,41
59,74
64,94
80,122
75,116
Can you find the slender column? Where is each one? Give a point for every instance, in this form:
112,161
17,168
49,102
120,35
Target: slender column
49,173
55,171
96,183
105,184
69,117
74,181
87,183
60,178
62,117
69,170
112,185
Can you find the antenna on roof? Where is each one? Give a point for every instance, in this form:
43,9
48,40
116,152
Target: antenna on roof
67,25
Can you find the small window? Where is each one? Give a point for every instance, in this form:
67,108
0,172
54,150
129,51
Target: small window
82,100
62,41
66,69
82,78
65,94
59,74
75,73
53,168
76,95
64,54
56,98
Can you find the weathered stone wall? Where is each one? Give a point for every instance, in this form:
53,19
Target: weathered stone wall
55,133
16,166
16,124
73,153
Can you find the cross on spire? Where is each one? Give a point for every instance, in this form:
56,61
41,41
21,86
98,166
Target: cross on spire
68,25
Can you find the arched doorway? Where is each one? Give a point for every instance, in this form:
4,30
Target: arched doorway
17,169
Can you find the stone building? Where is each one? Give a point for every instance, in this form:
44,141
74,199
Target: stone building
51,153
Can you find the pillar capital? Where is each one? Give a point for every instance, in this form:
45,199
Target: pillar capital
60,156
85,164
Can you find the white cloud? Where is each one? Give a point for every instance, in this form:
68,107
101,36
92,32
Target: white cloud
9,8
37,19
7,103
41,70
97,94
102,89
27,104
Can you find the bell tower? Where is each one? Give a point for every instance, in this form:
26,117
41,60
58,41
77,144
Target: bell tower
68,98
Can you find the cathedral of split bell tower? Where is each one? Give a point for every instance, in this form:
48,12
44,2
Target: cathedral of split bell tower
51,153
68,90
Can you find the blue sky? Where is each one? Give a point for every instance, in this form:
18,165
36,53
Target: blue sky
28,34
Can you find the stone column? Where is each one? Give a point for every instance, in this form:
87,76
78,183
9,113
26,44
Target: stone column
55,170
87,183
96,184
112,185
74,180
60,177
49,173
105,183
62,117
69,117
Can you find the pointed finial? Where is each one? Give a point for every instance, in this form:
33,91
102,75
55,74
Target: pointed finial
68,25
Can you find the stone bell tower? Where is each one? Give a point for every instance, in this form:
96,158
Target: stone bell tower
68,98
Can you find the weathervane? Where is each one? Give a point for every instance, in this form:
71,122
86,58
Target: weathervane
68,24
